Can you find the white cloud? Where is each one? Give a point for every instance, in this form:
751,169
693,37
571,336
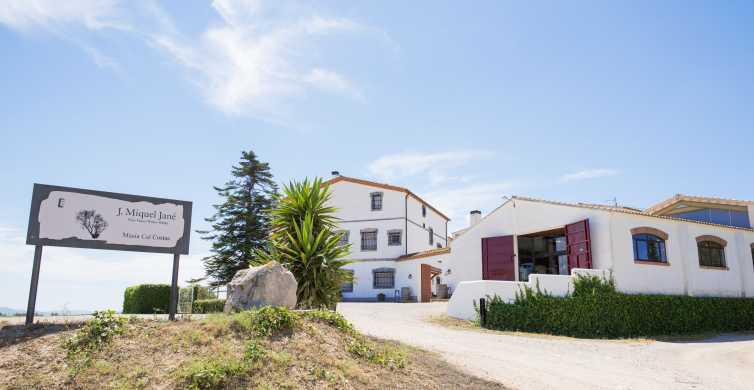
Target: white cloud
458,201
257,59
244,66
26,15
83,278
403,165
588,174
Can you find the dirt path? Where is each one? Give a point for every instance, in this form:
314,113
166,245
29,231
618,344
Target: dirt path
540,362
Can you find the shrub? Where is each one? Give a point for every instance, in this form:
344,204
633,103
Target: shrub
254,352
146,299
331,318
265,321
211,373
203,306
596,310
92,336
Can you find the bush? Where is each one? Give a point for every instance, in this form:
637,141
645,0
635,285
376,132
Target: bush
265,321
597,310
146,299
204,306
92,336
331,318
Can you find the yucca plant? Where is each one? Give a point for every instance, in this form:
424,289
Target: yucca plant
303,239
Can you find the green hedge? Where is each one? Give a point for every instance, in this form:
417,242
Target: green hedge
202,306
146,299
596,310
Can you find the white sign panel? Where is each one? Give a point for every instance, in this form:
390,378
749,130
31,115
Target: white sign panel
92,219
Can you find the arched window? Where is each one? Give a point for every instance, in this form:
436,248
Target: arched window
711,251
649,245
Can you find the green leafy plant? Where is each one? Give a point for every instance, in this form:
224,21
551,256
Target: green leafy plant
211,373
331,318
254,352
386,356
205,306
597,310
304,240
146,299
265,321
91,337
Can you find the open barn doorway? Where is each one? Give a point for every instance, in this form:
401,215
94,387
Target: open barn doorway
554,252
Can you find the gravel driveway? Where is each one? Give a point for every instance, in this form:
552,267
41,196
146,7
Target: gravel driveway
543,362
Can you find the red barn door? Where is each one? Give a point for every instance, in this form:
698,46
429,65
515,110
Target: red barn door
578,245
497,258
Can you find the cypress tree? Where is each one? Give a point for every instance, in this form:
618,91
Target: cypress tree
241,223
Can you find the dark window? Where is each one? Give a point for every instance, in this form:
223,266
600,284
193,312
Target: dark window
343,238
369,240
424,211
394,237
752,255
347,287
431,237
711,254
648,247
383,278
720,216
439,245
376,200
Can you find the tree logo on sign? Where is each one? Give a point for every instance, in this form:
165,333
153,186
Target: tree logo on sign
92,222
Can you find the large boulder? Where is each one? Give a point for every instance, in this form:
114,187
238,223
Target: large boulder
267,285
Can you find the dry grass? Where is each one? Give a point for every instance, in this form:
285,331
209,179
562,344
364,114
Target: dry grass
176,355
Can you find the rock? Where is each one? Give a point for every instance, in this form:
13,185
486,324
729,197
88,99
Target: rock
267,285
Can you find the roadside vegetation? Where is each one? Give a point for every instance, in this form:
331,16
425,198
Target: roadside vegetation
268,348
597,310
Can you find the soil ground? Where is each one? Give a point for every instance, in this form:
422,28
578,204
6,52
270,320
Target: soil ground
155,354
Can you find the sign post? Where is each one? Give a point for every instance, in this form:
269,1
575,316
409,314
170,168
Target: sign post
79,218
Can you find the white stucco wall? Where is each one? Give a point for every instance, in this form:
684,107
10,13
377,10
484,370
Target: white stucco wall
407,274
612,249
468,293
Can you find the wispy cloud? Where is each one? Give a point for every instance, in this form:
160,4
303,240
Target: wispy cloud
52,15
259,59
457,201
402,165
588,174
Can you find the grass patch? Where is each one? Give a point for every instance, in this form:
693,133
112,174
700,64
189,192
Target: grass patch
211,373
266,321
91,337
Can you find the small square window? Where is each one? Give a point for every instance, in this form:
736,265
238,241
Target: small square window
343,238
347,287
394,237
376,201
383,278
369,240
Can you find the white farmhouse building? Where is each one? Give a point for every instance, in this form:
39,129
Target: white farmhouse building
682,246
397,240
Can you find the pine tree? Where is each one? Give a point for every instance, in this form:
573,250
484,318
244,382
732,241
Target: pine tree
241,223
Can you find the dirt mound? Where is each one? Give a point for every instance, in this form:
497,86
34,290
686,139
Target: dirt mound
221,352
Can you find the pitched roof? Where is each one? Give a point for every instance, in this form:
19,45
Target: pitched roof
626,210
427,253
678,198
384,186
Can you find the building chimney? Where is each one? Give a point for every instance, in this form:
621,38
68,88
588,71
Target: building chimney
335,173
474,217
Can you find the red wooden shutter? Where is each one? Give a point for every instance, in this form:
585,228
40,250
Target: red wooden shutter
578,245
497,258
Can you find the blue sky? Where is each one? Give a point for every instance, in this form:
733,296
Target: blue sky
462,103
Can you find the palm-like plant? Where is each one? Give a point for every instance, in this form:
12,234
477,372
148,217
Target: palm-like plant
304,240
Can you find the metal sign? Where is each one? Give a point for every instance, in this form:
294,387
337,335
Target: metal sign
72,217
78,218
